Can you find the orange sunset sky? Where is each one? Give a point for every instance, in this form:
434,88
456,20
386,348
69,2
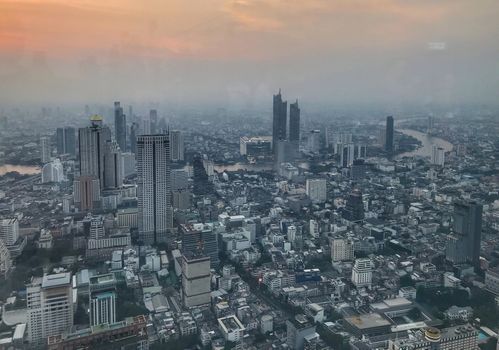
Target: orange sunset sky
331,51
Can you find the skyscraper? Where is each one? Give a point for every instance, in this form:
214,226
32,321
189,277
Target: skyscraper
279,120
92,142
45,149
389,135
153,121
354,209
50,306
464,244
66,141
120,126
200,239
102,299
294,126
154,188
362,272
134,132
113,166
177,145
196,276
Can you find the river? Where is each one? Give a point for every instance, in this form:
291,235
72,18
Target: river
427,143
21,169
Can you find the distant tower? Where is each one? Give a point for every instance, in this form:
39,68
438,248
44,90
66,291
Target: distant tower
354,209
134,132
113,166
153,120
279,120
294,126
120,126
155,214
177,145
66,141
45,149
389,135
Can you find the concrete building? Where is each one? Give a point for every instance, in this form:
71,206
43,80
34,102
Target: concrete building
389,135
102,299
255,147
342,249
155,214
200,239
196,281
66,141
362,273
177,145
231,328
113,166
5,260
120,126
45,149
86,193
316,190
9,231
53,172
492,281
50,306
297,329
266,324
279,120
437,156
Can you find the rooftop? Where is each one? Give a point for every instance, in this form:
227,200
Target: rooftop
56,280
367,321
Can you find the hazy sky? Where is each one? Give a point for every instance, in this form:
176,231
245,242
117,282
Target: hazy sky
234,52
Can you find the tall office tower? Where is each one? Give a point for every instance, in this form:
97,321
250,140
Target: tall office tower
464,244
120,126
430,125
196,277
437,156
389,135
113,166
45,149
5,260
9,231
316,190
66,141
134,132
102,299
361,151
155,213
347,154
50,306
181,193
362,272
153,122
342,249
279,120
354,208
92,143
86,193
294,125
200,239
314,141
177,145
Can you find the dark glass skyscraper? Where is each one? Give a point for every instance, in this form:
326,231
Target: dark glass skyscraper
279,120
153,121
134,132
66,141
294,122
354,208
120,126
389,135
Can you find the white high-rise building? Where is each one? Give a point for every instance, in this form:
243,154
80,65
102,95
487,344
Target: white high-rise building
177,145
97,227
9,231
102,299
342,249
50,306
362,273
437,156
53,172
314,228
45,149
317,190
155,214
5,260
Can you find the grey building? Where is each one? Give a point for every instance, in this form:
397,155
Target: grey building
120,126
297,329
279,119
66,141
389,135
200,239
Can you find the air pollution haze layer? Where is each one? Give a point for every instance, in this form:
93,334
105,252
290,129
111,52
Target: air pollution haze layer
238,52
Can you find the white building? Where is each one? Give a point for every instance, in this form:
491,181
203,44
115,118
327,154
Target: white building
153,260
314,228
45,149
9,231
362,273
50,306
155,214
5,260
196,281
316,190
342,249
53,172
437,156
102,299
232,329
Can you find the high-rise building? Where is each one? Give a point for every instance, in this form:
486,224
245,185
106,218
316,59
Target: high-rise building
50,306
53,172
279,119
92,143
354,208
102,299
314,141
451,338
316,190
154,188
464,244
297,329
9,231
362,272
342,249
86,192
347,154
294,126
153,122
134,132
5,260
389,145
120,126
200,239
45,149
196,277
177,145
66,141
97,227
437,156
113,166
